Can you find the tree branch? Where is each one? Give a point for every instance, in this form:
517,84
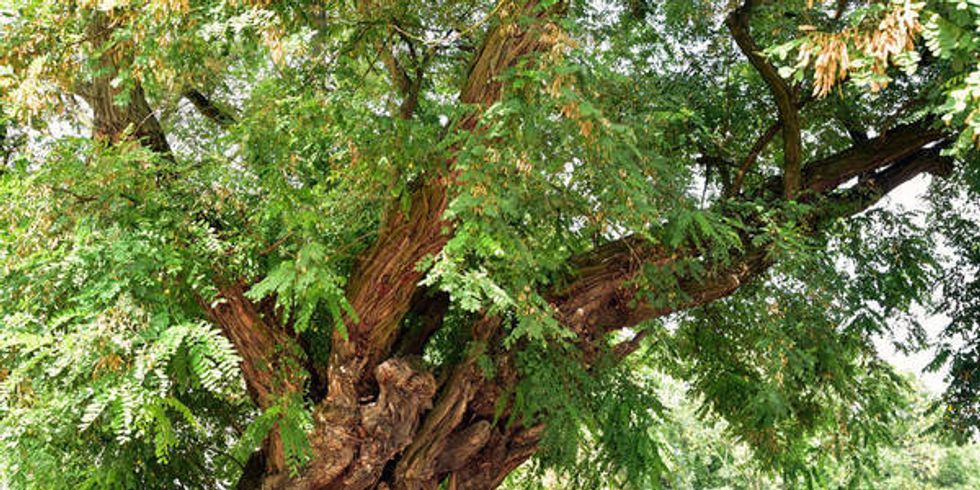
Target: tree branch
270,359
888,148
757,148
604,295
207,108
878,184
753,155
408,88
738,24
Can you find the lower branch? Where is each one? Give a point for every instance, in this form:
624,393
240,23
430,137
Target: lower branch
270,360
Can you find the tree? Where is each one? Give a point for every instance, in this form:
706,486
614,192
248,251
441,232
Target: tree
404,244
700,452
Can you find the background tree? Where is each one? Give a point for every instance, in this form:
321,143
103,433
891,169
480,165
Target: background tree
400,244
700,453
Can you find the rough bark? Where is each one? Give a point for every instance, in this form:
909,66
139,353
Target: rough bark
439,447
348,452
271,362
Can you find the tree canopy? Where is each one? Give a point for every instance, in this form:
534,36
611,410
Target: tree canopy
404,244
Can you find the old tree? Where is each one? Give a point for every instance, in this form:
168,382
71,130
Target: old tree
404,244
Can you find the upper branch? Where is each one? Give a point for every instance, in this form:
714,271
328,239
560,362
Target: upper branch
888,148
504,44
408,87
603,294
738,24
753,155
382,286
206,107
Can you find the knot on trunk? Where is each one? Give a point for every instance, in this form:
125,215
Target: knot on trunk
390,423
397,378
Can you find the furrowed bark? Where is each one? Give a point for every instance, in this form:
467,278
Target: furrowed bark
135,119
888,148
352,441
438,447
505,451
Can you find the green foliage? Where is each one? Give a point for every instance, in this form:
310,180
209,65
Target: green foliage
290,417
597,431
635,123
141,388
952,33
303,284
705,455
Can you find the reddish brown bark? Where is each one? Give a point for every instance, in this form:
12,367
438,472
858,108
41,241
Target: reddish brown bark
385,280
270,364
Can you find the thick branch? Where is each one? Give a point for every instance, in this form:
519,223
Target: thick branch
386,278
207,108
738,24
604,294
114,122
526,30
878,184
888,148
270,360
437,448
757,148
